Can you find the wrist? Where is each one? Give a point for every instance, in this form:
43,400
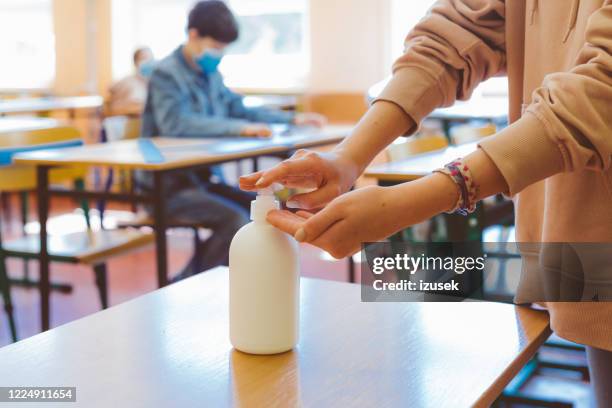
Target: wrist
426,197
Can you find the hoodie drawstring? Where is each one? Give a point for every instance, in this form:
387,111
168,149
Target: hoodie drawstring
572,21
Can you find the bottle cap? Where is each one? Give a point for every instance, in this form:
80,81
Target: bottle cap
263,203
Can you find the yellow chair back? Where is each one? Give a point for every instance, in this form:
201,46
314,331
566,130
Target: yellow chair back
14,177
415,145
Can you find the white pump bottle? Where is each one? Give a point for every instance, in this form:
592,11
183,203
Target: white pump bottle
264,284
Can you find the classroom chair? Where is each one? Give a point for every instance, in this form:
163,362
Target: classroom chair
89,247
471,132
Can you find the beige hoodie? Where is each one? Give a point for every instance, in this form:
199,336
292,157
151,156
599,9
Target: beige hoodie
556,155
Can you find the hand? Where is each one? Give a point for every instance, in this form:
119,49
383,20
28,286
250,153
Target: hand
256,130
364,215
310,118
368,214
329,174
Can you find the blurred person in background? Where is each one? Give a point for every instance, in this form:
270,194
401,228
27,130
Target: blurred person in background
188,98
129,94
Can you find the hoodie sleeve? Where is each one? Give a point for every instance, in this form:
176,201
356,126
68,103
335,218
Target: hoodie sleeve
568,125
457,45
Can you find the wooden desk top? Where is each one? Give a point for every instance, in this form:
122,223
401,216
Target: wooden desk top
171,348
419,165
19,124
22,105
488,108
181,152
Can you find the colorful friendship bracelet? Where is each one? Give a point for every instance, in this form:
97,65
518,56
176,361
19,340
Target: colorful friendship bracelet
460,173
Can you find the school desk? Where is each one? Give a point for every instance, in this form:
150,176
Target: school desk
170,348
24,124
419,165
48,104
160,156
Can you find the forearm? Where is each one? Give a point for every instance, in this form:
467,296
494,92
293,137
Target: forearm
438,193
378,128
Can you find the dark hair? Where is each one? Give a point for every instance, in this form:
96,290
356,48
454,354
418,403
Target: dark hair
212,18
139,51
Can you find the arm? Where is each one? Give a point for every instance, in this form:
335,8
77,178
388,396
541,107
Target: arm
455,47
175,117
566,128
568,123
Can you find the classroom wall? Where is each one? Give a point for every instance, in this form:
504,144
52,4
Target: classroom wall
83,46
349,42
350,48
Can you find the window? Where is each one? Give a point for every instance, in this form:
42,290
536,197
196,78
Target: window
27,44
271,52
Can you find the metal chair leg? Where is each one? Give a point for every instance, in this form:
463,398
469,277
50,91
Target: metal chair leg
24,220
5,291
102,283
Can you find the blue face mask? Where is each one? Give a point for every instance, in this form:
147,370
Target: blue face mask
146,68
209,61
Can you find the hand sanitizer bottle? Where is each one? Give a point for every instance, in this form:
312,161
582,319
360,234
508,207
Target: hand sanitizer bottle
264,284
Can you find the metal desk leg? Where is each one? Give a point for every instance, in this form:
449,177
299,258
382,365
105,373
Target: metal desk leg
42,176
159,222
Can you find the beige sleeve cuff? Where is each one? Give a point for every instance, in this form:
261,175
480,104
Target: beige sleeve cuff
524,153
415,91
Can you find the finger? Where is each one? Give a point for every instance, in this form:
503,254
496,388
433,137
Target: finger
337,241
285,221
316,225
286,169
304,214
247,182
314,199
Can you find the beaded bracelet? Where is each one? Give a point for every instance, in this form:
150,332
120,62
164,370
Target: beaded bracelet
460,173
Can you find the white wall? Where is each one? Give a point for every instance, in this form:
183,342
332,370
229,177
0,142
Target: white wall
350,44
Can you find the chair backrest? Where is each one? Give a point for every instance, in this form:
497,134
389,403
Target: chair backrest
19,177
471,132
411,146
18,141
121,127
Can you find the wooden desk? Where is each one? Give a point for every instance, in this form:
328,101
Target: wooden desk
485,108
183,152
171,348
419,165
19,124
70,104
178,154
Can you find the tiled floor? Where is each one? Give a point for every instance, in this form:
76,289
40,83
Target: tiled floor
134,275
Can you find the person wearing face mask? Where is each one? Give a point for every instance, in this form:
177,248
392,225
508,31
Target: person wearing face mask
129,94
187,98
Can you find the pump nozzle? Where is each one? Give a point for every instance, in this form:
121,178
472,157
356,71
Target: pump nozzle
263,203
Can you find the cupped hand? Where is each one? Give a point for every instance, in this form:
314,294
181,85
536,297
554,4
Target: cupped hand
327,174
368,214
365,215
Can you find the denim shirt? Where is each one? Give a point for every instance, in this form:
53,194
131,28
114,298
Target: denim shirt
182,102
